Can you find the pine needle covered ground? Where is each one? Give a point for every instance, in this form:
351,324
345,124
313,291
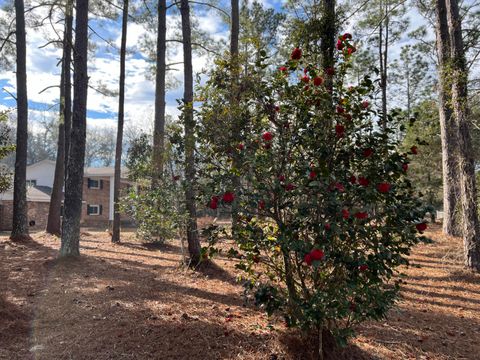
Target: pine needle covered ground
133,301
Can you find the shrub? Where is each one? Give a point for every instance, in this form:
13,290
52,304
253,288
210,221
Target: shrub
327,212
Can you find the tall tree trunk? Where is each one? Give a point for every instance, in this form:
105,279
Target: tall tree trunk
192,232
54,212
67,49
118,148
448,127
471,235
158,156
75,167
20,206
234,103
327,40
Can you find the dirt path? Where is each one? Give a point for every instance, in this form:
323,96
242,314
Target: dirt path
133,302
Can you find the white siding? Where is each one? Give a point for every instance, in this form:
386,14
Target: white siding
43,172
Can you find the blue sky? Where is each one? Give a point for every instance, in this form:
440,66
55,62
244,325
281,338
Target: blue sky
104,69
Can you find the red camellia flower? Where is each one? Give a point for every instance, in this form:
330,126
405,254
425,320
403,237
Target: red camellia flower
345,213
312,175
421,227
365,104
361,215
351,50
267,136
317,254
414,150
363,181
330,71
340,110
305,79
282,69
405,167
384,187
290,187
339,44
296,54
363,267
228,197
261,205
213,203
367,152
240,146
317,81
340,130
347,36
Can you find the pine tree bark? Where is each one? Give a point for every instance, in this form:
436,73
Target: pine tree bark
67,48
327,41
189,121
121,112
56,198
159,122
75,167
20,206
448,127
471,235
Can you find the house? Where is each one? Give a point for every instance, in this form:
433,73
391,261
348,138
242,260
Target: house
97,207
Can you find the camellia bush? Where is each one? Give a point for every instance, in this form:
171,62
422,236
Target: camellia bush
327,212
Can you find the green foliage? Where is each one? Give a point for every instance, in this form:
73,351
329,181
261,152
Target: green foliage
6,147
426,168
158,211
327,211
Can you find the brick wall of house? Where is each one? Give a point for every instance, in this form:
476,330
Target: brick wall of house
96,197
37,212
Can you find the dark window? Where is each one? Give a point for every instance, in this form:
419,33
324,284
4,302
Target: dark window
94,209
94,184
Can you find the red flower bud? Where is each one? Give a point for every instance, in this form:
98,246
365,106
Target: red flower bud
405,167
317,254
305,79
352,179
312,175
351,50
267,136
345,214
365,104
421,227
283,69
363,267
340,130
228,197
347,36
281,177
213,204
261,205
414,150
340,110
339,44
367,152
277,108
384,187
240,146
317,81
363,181
361,215
327,227
290,187
296,54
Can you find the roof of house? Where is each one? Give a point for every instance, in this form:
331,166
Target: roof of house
33,194
104,171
